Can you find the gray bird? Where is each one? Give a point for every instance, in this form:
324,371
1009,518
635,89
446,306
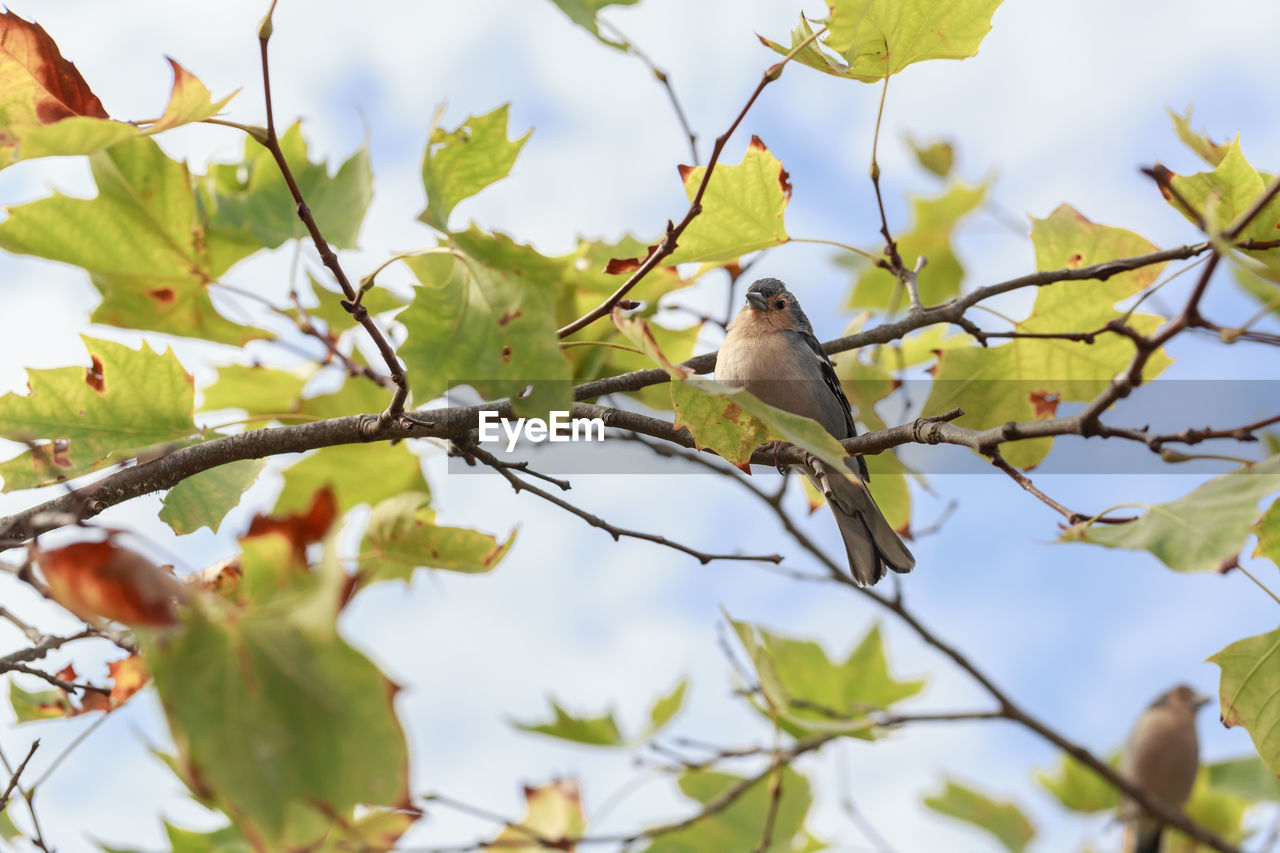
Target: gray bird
1162,757
771,351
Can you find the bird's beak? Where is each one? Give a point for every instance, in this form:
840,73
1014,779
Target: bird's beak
756,301
1200,700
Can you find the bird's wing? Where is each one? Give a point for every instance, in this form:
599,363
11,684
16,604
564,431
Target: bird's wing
837,396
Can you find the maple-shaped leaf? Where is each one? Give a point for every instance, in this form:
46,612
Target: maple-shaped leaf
603,730
868,40
461,162
76,419
484,315
933,220
1198,141
47,108
403,535
33,705
1016,381
1250,671
552,811
101,580
742,209
204,499
937,156
251,198
583,13
142,241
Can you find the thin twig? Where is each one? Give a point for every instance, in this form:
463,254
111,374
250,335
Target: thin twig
1072,517
669,241
17,774
662,77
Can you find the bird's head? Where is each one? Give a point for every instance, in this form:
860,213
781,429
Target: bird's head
770,306
1184,698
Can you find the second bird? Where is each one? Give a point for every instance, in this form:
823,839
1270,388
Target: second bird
771,351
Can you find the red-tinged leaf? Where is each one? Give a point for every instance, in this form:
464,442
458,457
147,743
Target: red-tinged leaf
223,577
99,580
35,72
619,266
300,528
1044,403
128,676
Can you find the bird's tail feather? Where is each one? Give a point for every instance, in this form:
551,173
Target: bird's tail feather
870,543
1148,840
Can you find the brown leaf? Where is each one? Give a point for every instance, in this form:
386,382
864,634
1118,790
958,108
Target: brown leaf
99,580
128,676
300,528
31,63
1044,403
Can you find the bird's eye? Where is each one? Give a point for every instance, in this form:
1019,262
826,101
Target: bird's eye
780,304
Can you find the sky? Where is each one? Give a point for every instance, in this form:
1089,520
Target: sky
1063,103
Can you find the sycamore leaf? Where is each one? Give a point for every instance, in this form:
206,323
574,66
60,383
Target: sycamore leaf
1198,531
1250,671
296,728
461,162
255,389
932,222
868,40
31,705
740,825
553,811
1023,379
47,108
742,208
937,156
203,500
1253,280
100,580
484,316
1004,820
251,197
402,535
603,730
676,344
357,474
142,241
810,693
1077,787
1267,529
376,300
583,13
83,418
1246,777
1223,195
1198,141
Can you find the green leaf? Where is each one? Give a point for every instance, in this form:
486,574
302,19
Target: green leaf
1223,195
1250,671
402,535
871,39
281,723
733,423
485,316
552,811
600,730
126,401
1267,530
937,156
603,730
1024,379
376,300
739,826
583,13
7,829
461,162
1198,141
1198,531
676,344
1252,281
1004,820
203,500
933,221
1217,810
1245,777
742,208
1078,788
142,241
259,391
31,705
812,694
251,197
224,840
357,473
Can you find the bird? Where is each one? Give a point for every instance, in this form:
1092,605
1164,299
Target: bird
1162,757
770,350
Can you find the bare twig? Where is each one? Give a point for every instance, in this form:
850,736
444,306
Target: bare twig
17,774
1072,517
662,77
28,798
669,241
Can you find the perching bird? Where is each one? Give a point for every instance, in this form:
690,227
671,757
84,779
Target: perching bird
1162,757
771,351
